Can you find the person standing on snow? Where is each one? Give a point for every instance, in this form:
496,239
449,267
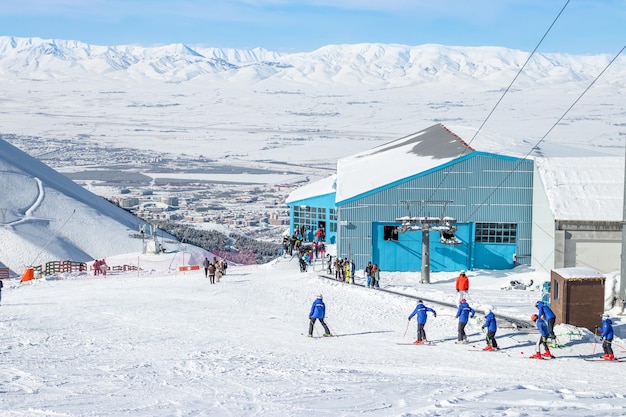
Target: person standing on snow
318,312
206,264
1,285
211,271
463,314
546,313
348,268
492,328
375,276
368,274
544,331
462,285
607,337
421,311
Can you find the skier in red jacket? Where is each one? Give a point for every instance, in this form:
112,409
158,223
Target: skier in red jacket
462,285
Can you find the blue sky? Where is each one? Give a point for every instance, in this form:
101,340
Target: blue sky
585,27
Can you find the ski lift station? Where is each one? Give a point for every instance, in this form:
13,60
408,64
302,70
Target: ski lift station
431,194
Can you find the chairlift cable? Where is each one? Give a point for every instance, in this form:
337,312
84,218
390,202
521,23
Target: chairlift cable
519,72
546,134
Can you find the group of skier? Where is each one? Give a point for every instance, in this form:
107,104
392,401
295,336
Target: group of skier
544,320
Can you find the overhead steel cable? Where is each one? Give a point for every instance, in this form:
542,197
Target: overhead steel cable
519,72
546,134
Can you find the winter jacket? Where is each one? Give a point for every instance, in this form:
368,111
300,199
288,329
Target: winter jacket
318,309
545,311
607,329
462,283
542,326
490,322
421,311
464,312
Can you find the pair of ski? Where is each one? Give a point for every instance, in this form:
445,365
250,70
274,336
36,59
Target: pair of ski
604,360
543,357
429,343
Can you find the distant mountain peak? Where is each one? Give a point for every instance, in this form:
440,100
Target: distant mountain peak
390,65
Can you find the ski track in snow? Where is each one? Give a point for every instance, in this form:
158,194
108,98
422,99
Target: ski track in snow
173,345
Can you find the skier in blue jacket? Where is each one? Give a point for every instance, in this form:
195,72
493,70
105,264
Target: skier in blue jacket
463,314
421,311
607,337
544,331
492,328
318,311
545,312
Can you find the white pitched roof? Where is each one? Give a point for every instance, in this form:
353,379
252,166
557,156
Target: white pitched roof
584,188
396,160
578,186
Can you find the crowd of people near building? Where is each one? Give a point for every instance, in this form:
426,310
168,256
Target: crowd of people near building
307,252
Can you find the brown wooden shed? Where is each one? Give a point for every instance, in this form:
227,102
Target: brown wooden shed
577,296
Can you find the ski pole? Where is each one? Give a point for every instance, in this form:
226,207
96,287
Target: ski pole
332,330
595,341
407,328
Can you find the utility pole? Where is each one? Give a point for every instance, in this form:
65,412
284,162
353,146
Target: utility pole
425,254
622,275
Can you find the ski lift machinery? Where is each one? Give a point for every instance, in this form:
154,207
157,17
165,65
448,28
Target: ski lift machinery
444,225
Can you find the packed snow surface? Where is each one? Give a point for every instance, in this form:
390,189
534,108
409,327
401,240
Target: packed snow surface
158,344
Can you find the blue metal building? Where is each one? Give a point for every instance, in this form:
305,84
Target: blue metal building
430,174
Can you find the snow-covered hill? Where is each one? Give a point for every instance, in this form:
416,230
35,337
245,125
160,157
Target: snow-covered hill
364,64
44,216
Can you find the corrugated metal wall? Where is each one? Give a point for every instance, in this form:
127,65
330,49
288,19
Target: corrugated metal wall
480,187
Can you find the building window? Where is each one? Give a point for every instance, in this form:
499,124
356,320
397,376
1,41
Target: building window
555,292
496,232
390,233
311,218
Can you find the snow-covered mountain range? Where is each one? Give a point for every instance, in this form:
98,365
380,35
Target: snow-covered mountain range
366,64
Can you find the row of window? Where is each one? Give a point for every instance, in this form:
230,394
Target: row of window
315,217
485,233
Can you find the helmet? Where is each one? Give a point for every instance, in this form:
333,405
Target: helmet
534,317
319,297
463,300
419,301
605,316
537,303
462,271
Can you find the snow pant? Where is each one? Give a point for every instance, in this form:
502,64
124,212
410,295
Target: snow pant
606,346
369,281
212,278
312,323
491,339
543,341
551,327
462,335
206,272
421,334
